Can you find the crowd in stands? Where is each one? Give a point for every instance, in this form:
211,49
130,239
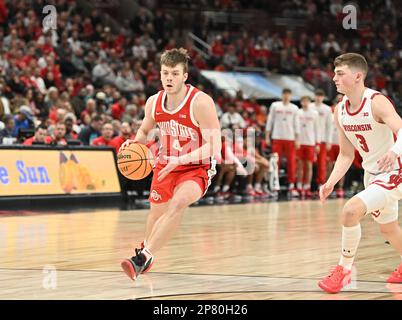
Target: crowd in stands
309,50
83,82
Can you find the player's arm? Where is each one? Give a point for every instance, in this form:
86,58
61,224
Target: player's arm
207,119
270,124
146,126
342,163
384,112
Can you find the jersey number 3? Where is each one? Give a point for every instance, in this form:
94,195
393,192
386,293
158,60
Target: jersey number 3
362,142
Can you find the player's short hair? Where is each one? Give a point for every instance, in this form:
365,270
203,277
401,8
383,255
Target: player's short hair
286,90
173,57
353,61
305,98
319,92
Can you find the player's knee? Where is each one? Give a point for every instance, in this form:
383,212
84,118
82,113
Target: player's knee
350,215
178,204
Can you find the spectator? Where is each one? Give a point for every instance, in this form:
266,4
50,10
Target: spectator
102,73
38,138
101,102
331,44
71,127
6,135
116,127
92,131
4,102
130,114
23,120
118,109
58,136
89,110
51,98
125,133
128,83
78,102
232,119
139,50
106,137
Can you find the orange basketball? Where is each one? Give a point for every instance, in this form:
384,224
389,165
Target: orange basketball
135,161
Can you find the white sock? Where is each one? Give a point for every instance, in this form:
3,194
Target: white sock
145,243
257,186
350,241
307,186
299,185
291,185
217,188
225,188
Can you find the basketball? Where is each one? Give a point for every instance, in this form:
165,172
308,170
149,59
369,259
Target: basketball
135,162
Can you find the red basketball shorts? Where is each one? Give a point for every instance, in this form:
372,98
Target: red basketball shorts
306,153
162,191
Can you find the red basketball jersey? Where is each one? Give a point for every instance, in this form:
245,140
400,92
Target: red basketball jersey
179,132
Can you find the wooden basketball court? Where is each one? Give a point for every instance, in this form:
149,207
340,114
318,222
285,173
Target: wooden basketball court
273,250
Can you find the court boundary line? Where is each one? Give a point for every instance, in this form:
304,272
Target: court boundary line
179,273
266,291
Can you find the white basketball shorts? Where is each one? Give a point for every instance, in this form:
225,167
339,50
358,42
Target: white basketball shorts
382,194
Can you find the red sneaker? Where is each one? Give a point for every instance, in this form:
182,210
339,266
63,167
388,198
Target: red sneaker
338,278
308,193
260,193
396,276
396,289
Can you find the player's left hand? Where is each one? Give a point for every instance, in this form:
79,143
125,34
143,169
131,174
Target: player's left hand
387,161
172,162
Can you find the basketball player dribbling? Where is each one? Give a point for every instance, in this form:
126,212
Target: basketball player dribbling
367,121
190,137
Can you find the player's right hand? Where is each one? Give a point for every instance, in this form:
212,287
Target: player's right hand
126,144
325,191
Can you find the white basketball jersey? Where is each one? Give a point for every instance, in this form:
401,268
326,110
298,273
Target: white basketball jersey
308,127
371,138
283,121
325,122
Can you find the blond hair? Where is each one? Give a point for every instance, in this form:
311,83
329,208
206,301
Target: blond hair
353,61
173,57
